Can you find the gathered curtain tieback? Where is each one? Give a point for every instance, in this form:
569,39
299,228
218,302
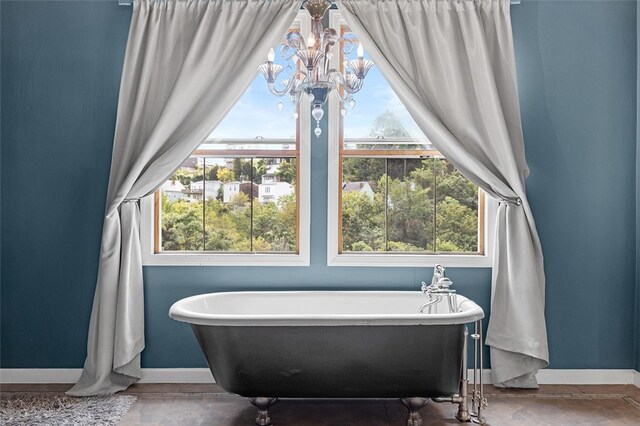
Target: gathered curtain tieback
517,201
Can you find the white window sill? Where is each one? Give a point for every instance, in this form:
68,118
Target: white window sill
222,259
410,260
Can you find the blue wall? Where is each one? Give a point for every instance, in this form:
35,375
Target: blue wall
577,72
638,198
61,65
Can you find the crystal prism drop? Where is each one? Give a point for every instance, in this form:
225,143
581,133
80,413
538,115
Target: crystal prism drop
317,113
352,103
295,115
311,97
343,112
280,105
318,131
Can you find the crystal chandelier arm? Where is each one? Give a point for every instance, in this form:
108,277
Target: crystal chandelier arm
338,94
290,84
295,41
329,39
347,46
350,84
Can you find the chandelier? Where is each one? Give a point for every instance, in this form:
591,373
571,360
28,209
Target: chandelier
311,72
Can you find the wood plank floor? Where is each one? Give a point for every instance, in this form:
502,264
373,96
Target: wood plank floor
554,405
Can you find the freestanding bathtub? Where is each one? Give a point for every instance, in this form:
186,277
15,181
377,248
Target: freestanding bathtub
330,344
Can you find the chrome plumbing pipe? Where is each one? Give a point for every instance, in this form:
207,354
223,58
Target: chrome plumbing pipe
479,401
455,399
431,302
474,400
463,406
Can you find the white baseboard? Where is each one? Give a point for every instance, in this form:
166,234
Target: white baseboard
39,375
577,377
203,375
71,375
586,377
176,375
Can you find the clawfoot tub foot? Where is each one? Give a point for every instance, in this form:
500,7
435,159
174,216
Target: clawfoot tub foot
263,404
413,405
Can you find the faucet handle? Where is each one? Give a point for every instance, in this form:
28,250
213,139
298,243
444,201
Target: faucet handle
444,283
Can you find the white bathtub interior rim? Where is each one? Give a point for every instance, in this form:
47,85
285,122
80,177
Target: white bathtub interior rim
320,308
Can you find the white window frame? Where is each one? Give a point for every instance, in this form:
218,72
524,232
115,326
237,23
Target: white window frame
150,258
389,259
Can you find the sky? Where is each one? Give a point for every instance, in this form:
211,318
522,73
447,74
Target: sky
256,113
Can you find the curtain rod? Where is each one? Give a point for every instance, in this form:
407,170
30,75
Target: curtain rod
130,2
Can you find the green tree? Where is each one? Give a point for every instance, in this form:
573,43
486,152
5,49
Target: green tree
457,224
237,168
225,175
387,125
287,171
276,223
227,226
358,169
186,176
239,200
362,222
451,183
212,172
361,246
410,214
181,225
260,168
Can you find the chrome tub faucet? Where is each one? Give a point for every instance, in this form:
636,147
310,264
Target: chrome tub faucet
439,286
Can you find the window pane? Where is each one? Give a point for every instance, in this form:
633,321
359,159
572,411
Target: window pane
231,195
228,208
379,120
275,210
256,114
419,202
457,210
182,209
248,205
430,206
363,204
410,224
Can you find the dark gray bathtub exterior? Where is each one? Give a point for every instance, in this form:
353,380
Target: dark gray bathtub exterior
380,361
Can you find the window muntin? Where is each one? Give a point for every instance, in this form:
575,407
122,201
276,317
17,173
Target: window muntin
391,192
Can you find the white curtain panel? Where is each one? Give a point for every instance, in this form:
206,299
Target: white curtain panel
451,63
186,64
